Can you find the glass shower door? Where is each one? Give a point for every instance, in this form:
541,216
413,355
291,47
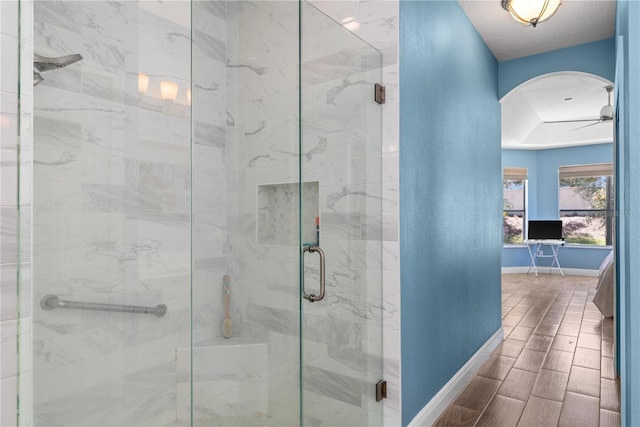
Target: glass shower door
105,299
245,214
180,159
341,225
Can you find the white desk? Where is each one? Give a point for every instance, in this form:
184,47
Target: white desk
535,252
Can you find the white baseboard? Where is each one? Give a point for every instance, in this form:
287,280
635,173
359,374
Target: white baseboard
436,406
545,270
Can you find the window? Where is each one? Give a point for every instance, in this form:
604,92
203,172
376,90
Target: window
586,203
514,186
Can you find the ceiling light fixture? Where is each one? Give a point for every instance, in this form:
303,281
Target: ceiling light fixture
531,12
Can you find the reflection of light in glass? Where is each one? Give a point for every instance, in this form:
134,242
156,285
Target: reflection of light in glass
350,23
393,148
169,90
5,122
189,96
352,26
143,82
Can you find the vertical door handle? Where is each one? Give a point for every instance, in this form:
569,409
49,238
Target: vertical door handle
312,297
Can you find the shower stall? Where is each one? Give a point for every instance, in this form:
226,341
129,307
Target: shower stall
200,216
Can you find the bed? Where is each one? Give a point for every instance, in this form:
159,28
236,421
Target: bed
603,299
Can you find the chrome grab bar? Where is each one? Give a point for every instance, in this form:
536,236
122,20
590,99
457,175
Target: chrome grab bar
50,302
312,297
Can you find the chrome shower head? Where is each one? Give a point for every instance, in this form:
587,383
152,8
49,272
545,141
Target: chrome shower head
37,78
42,64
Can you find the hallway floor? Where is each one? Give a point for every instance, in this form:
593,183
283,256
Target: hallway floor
555,366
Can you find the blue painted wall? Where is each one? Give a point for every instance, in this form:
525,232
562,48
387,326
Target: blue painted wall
542,166
450,215
596,58
628,190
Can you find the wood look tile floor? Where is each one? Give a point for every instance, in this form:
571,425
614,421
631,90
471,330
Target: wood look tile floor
555,366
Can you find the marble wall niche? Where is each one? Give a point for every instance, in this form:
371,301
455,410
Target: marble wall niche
277,204
111,210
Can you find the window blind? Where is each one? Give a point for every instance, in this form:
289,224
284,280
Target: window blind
515,173
600,169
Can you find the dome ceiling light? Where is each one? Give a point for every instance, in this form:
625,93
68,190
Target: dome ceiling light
531,12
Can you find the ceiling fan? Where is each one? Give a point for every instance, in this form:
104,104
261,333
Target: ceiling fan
606,113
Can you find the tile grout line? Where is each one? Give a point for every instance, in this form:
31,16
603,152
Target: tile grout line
545,357
524,348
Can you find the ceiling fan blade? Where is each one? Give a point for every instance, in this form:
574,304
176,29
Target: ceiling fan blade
573,121
586,126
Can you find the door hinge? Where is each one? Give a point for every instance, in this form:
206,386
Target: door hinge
381,390
380,93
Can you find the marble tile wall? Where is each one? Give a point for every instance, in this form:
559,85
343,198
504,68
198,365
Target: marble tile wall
8,210
376,22
210,181
338,74
230,379
262,147
111,213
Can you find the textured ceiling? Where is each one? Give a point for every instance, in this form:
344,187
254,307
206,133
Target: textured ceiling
525,109
575,22
562,96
